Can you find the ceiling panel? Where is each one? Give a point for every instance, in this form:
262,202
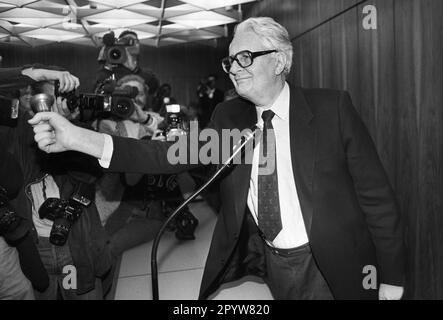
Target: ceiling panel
83,22
214,4
141,34
17,3
202,19
118,3
51,34
120,18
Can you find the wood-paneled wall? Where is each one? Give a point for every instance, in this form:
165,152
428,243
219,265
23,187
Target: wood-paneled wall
395,77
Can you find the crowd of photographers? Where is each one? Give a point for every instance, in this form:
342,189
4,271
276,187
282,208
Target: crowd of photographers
64,222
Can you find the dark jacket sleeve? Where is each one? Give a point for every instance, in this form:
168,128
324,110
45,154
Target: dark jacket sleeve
150,157
157,157
11,175
374,194
8,75
12,78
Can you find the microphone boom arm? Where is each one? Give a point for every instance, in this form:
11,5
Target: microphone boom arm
227,164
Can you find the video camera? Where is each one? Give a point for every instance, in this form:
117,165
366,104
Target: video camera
115,49
109,101
174,126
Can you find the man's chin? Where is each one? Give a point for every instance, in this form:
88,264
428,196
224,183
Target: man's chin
244,92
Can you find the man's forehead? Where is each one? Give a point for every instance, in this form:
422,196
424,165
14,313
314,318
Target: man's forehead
244,40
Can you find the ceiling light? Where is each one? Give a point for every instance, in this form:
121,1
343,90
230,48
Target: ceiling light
31,17
51,34
140,34
18,3
202,19
120,18
213,4
118,3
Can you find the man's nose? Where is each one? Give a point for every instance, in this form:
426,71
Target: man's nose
235,67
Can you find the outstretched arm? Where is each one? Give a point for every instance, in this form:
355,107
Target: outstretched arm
68,82
19,77
54,133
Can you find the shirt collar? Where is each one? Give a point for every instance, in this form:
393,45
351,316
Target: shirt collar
280,106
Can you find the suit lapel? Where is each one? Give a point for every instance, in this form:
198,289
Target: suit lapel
303,145
242,172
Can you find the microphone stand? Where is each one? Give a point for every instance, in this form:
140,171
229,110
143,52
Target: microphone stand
227,164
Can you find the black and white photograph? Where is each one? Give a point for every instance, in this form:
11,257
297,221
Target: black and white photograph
221,154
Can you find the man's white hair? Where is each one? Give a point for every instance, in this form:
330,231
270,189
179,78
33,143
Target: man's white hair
272,34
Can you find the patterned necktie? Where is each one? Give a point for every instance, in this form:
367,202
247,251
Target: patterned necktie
269,219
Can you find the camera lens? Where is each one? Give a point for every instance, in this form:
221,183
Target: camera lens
122,107
59,232
115,54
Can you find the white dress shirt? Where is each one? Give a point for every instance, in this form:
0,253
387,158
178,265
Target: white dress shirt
133,130
108,149
293,233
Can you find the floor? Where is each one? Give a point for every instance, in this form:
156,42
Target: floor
180,268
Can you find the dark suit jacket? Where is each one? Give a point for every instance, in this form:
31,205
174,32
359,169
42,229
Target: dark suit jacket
348,206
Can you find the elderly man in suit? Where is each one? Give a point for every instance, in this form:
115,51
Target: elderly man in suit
314,227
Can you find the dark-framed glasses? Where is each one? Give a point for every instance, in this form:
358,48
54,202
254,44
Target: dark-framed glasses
244,59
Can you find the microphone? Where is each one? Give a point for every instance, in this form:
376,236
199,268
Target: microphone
42,102
239,148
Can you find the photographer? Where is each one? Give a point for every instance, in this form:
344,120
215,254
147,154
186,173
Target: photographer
208,97
138,124
120,197
163,98
13,283
20,265
120,57
58,201
128,203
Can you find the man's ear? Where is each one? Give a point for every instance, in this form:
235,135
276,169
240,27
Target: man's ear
280,62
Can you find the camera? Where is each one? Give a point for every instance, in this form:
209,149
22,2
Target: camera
175,125
115,49
63,213
109,101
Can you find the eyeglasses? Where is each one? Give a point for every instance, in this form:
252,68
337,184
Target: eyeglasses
244,59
